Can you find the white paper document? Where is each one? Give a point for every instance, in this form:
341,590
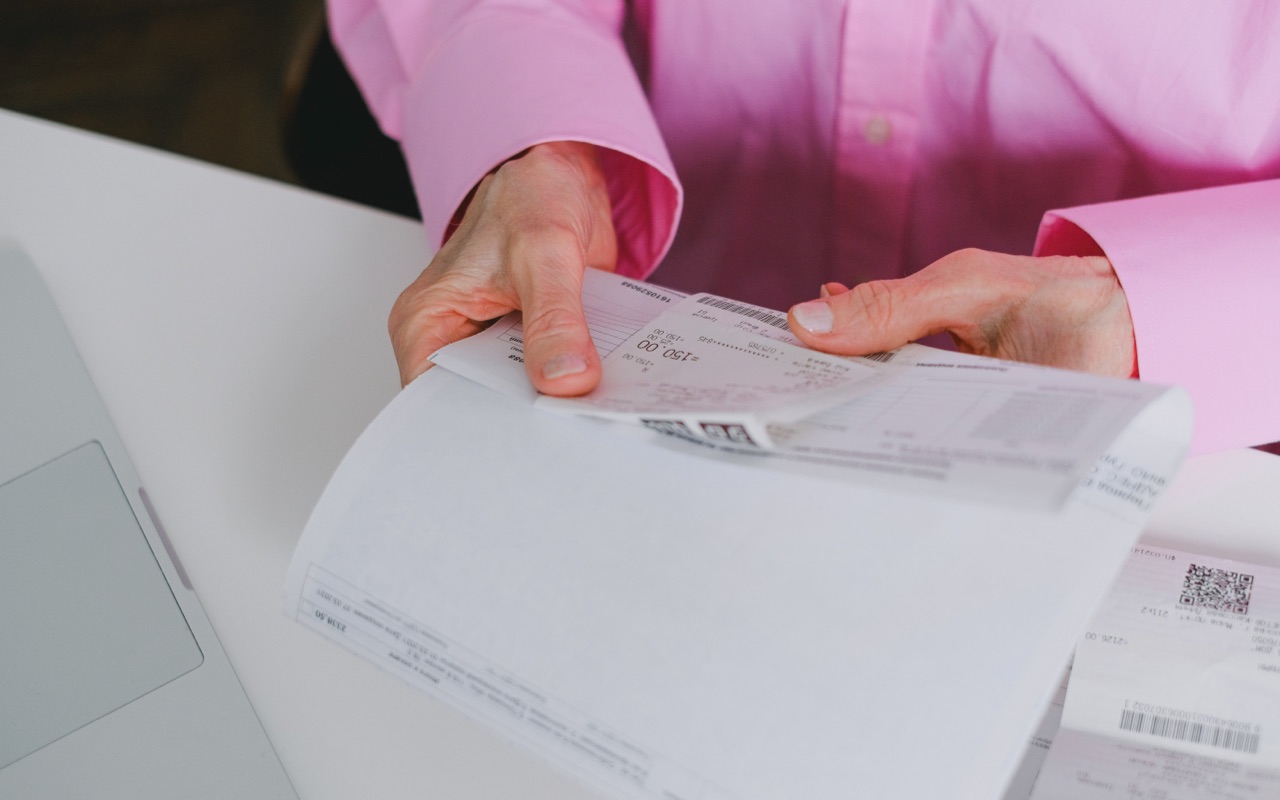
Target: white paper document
1175,691
948,423
671,620
707,379
1037,749
616,309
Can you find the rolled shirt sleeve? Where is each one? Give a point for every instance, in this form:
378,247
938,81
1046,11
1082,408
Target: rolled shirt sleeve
1201,272
467,84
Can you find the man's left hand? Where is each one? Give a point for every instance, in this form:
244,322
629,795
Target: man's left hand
1061,311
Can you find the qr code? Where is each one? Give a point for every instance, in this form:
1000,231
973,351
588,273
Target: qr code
1218,589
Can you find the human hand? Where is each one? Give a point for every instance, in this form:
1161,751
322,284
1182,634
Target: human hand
531,228
1060,311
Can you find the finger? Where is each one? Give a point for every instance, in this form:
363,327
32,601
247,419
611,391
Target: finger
559,354
879,315
416,341
420,325
953,294
431,313
832,288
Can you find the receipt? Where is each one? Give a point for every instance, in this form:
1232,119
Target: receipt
1175,689
915,418
615,308
702,379
665,625
676,371
1024,780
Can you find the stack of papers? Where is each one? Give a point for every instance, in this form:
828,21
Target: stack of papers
1175,688
839,577
730,374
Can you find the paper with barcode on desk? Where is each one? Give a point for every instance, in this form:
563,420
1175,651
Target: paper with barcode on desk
702,379
729,376
1175,689
670,627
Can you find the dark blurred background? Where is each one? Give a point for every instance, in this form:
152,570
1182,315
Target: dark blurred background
249,84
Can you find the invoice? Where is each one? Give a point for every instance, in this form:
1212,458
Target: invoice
668,625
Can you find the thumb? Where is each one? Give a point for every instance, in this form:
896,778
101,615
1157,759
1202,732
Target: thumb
559,355
878,315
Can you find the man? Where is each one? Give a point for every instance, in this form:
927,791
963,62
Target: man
807,146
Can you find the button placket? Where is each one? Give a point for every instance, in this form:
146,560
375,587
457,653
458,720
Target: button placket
883,49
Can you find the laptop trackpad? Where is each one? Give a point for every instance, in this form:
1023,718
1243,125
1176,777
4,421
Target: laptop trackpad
87,620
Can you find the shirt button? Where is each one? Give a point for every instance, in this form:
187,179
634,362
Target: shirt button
878,130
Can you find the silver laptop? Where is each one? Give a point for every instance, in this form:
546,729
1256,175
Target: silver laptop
112,682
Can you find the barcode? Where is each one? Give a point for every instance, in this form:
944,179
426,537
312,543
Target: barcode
1185,731
746,311
884,357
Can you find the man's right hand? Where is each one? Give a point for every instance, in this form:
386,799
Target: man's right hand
531,228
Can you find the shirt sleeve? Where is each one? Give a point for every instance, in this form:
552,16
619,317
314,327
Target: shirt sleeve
1201,275
466,84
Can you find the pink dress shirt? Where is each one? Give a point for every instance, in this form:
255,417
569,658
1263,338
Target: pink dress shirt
801,141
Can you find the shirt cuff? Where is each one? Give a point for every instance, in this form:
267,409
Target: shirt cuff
1198,271
503,83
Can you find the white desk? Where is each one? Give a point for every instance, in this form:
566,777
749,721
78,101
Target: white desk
236,330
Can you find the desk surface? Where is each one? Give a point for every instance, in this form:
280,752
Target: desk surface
236,330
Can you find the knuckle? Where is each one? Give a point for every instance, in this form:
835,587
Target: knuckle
413,301
969,254
544,238
417,307
409,333
403,310
553,322
875,302
958,265
542,263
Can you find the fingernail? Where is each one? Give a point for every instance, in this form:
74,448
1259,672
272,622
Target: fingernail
823,292
814,316
564,364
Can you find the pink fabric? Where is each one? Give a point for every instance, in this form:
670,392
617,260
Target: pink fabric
1200,272
859,139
